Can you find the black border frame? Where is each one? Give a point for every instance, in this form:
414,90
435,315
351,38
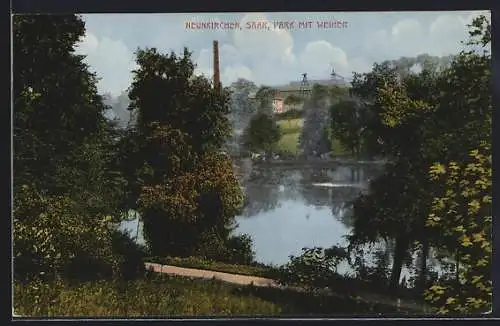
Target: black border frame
152,6
149,6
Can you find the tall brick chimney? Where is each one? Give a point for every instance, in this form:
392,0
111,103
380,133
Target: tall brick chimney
216,65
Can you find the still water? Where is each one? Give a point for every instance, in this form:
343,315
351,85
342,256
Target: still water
292,208
289,208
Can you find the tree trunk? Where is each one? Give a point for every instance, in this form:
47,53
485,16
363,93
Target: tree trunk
457,267
423,265
399,253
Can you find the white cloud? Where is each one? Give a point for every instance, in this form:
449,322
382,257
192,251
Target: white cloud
408,37
110,59
318,57
270,56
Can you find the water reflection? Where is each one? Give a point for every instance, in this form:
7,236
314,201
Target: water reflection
291,208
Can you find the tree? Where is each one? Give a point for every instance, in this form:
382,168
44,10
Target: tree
293,99
462,206
242,106
187,193
347,124
264,98
242,84
165,90
66,189
422,118
463,212
50,123
262,134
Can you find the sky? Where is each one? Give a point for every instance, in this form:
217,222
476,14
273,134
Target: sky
271,54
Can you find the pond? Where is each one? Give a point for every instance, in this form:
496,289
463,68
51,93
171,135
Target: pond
291,207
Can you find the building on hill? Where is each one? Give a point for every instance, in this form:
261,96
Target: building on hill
278,106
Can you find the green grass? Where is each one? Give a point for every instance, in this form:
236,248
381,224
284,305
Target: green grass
290,126
200,263
158,295
289,143
161,295
290,133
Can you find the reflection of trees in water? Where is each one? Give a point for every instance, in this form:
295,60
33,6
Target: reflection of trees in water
266,188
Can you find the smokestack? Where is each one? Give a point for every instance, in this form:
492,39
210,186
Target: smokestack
216,65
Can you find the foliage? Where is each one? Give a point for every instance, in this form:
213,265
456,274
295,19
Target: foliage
242,107
415,120
240,249
463,212
264,98
262,134
175,173
66,187
201,203
293,99
130,254
166,91
314,268
42,227
312,139
49,122
347,124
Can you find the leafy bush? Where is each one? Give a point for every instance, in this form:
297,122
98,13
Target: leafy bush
131,256
52,237
240,250
314,268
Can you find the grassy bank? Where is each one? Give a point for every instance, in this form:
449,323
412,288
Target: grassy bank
158,295
200,263
290,134
161,295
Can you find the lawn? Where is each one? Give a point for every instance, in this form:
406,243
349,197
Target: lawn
290,125
162,295
156,295
290,133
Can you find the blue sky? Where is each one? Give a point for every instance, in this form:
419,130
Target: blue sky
274,56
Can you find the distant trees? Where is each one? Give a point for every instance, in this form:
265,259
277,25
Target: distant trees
347,124
262,134
293,99
313,138
264,99
242,107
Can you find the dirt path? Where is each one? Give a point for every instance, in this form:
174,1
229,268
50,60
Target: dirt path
264,282
227,277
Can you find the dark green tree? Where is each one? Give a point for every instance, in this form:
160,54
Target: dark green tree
419,119
186,192
66,187
262,134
